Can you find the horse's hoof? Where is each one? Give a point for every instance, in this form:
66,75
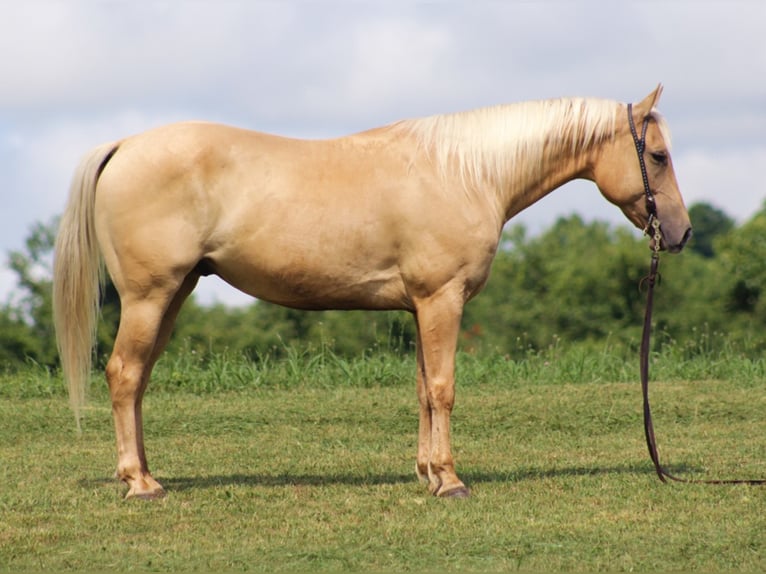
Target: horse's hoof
146,490
458,492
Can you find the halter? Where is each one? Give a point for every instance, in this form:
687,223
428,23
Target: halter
653,221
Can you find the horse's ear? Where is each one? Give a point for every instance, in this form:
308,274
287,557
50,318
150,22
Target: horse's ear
644,108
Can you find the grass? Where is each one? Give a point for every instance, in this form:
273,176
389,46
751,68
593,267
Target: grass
307,463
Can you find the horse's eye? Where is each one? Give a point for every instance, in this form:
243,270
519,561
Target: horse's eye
659,157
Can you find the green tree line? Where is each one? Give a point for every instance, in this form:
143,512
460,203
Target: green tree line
576,282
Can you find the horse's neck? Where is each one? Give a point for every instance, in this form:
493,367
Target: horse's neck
521,152
527,186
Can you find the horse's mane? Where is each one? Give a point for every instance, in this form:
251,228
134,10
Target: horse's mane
510,143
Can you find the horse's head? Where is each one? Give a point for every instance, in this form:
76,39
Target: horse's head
618,173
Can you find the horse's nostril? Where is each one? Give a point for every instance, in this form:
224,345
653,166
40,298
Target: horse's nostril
687,236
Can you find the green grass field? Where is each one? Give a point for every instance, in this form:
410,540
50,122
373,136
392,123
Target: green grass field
307,463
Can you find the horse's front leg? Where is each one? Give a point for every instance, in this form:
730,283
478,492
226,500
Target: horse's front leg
438,322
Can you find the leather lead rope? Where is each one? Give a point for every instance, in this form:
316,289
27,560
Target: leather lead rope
650,280
651,442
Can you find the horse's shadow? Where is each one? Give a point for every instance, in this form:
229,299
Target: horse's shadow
470,476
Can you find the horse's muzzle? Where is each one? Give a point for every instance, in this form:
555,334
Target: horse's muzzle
680,245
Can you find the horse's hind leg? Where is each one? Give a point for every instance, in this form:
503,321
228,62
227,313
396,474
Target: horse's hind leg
145,327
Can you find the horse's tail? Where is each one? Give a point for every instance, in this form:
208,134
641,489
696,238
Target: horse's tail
78,274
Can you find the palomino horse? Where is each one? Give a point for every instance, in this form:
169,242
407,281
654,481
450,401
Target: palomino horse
406,216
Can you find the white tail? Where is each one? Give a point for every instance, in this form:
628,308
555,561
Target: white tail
77,276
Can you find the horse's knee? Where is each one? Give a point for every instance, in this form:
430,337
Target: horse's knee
441,393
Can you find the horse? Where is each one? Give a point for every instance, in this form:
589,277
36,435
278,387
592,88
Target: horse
406,216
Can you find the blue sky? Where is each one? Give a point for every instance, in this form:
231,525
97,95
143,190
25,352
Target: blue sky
76,73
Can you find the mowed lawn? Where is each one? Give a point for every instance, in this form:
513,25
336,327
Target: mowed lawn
322,479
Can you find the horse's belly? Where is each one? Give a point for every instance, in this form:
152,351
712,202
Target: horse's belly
305,285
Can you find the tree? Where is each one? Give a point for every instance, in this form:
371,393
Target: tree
743,256
579,282
18,342
576,281
267,329
709,223
30,324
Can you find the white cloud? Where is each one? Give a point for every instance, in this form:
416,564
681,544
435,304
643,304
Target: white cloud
45,156
731,180
213,290
95,56
393,58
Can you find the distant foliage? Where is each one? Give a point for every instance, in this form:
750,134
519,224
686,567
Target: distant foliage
577,283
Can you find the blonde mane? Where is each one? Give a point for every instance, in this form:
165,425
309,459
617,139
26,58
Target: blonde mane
508,145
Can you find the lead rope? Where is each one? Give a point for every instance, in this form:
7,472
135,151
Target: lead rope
651,442
653,229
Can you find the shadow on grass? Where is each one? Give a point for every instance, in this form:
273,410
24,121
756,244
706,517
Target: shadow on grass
279,480
184,483
538,473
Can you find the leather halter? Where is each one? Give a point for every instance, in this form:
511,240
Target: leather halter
651,205
650,280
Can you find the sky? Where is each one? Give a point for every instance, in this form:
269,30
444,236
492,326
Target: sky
76,73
